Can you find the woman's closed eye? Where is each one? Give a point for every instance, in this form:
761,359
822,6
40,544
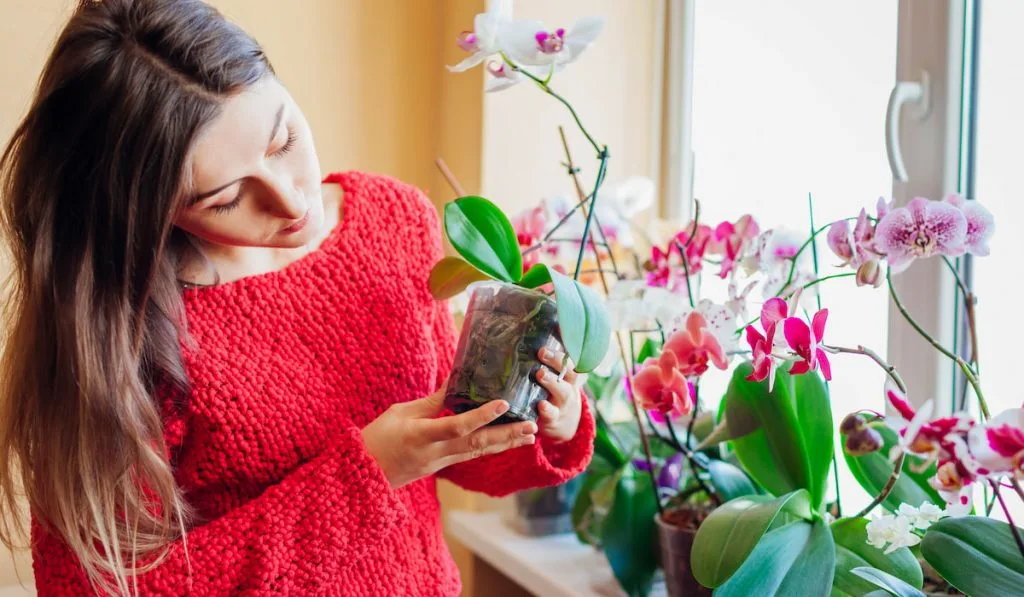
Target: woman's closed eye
288,144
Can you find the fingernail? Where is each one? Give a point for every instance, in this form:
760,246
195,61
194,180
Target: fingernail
528,429
543,353
502,407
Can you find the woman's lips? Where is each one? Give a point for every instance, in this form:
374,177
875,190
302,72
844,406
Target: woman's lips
298,225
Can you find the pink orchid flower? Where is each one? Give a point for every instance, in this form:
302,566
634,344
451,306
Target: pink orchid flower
660,386
998,445
666,266
662,418
921,229
730,239
943,440
695,345
765,361
980,224
806,343
854,246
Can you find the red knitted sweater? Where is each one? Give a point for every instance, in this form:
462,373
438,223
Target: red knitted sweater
288,366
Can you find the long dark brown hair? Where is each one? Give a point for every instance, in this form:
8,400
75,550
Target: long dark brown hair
91,182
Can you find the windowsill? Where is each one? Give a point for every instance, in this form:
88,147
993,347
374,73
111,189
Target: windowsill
553,566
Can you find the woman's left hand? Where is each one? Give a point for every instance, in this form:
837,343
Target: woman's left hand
560,413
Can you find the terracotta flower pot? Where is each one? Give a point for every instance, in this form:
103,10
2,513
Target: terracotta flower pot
675,543
496,359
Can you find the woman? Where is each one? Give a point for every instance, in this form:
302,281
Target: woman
215,376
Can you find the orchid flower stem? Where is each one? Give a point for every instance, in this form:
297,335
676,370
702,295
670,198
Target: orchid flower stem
889,369
602,169
686,272
1009,519
582,197
804,287
630,365
543,84
897,468
1016,487
968,372
969,301
694,465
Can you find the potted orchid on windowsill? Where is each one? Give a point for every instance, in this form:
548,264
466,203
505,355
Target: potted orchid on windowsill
743,486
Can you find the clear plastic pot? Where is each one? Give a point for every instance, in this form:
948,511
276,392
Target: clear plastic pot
496,359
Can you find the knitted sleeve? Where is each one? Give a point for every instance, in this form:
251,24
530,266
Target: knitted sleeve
316,522
542,464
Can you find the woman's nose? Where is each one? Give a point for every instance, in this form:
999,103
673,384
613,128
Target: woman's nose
283,200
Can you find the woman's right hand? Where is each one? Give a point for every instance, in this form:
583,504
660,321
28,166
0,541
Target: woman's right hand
409,443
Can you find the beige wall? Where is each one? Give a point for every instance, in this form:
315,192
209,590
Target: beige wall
369,76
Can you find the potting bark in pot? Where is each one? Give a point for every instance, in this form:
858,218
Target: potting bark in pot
504,329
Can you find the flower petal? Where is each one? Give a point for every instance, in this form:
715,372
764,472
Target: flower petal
824,365
582,34
840,240
773,311
798,335
818,324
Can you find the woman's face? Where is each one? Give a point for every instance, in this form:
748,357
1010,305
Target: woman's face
255,174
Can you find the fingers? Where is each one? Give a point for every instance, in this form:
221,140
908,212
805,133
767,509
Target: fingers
548,413
490,440
458,426
560,391
555,360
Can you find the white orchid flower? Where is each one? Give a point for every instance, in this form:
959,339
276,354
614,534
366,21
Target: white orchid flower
482,41
530,43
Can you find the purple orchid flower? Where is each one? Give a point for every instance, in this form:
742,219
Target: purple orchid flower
921,229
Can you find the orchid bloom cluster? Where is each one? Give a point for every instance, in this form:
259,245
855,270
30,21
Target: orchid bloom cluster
787,338
903,529
516,50
919,230
964,451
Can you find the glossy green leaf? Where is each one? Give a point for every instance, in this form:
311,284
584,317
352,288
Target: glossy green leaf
814,414
977,555
628,535
795,560
538,275
853,551
582,322
606,446
783,438
451,276
873,470
649,348
887,582
731,532
483,235
729,481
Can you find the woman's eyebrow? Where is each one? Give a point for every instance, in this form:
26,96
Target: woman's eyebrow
273,133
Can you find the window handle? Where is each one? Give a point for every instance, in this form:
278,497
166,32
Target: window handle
904,92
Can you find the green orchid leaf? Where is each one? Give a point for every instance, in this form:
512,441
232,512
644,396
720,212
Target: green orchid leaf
852,551
795,560
582,322
588,514
873,470
451,276
628,535
887,582
535,277
730,533
483,235
783,438
729,481
977,555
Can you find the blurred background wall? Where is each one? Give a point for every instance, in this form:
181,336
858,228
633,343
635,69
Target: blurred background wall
370,76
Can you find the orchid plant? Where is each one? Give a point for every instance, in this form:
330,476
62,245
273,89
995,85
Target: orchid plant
757,467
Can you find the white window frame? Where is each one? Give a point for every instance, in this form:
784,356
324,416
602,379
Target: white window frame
930,39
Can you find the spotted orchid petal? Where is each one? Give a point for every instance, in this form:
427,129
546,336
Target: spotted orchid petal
980,224
921,229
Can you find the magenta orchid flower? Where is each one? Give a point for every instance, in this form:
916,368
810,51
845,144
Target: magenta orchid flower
660,386
730,239
666,269
921,229
942,440
765,359
980,224
856,246
806,343
695,346
998,445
